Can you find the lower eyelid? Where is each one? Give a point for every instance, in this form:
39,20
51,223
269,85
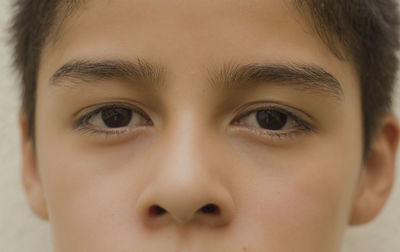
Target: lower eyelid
272,135
126,131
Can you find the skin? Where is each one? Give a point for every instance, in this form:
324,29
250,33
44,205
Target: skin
281,191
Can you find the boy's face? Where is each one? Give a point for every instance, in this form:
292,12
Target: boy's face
188,157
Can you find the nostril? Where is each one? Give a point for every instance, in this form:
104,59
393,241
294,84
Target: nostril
210,209
156,210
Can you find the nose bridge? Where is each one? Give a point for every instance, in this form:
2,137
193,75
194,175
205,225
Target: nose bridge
186,148
185,187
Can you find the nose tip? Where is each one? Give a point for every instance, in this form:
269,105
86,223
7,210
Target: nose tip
214,208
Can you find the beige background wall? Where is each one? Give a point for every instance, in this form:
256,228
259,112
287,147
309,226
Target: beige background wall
21,231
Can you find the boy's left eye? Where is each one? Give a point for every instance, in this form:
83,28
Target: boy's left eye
274,120
269,119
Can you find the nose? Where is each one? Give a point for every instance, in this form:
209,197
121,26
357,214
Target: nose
187,203
185,188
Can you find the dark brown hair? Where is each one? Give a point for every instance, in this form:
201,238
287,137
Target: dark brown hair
365,32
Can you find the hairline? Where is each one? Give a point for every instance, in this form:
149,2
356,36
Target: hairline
71,8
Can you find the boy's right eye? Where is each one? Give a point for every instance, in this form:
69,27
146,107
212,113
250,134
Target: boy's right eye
113,119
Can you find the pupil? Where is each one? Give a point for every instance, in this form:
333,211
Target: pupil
271,120
116,117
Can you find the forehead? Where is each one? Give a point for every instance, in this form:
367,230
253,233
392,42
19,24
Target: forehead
190,35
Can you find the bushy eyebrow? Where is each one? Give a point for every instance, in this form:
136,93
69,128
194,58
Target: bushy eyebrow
79,71
301,77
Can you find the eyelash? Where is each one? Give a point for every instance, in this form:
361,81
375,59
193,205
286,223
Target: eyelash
304,127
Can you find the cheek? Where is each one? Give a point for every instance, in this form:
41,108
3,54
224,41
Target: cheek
300,195
86,186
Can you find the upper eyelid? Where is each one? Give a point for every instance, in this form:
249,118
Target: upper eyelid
257,106
97,108
125,103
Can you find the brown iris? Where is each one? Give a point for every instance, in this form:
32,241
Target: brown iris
271,119
116,117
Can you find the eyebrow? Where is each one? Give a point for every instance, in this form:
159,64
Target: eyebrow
79,71
301,77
